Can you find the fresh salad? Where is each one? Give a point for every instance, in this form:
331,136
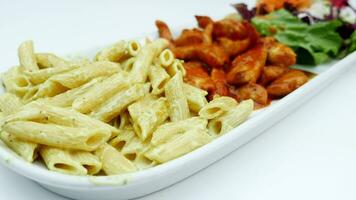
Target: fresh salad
318,31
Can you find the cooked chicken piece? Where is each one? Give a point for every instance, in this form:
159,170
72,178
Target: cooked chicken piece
208,34
281,55
197,76
287,83
278,53
219,78
163,30
189,37
253,91
235,30
271,73
247,67
185,52
203,21
234,47
212,54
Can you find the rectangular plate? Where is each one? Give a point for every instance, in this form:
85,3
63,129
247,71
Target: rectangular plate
147,181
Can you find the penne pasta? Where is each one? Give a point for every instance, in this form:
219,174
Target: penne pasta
66,99
79,76
27,150
195,97
166,58
127,65
87,139
16,82
175,67
101,92
88,160
40,112
27,56
60,160
75,78
168,130
128,109
133,47
142,162
231,119
119,102
122,139
179,145
113,53
40,76
10,103
158,78
136,109
122,121
48,60
113,161
144,60
217,107
178,105
148,118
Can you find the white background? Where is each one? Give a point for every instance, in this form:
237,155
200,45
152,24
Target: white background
311,154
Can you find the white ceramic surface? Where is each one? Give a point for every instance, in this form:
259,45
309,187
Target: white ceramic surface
133,187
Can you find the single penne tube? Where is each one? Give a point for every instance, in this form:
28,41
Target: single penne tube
10,103
179,145
101,92
88,160
30,93
66,99
49,89
217,107
113,162
27,56
168,130
122,139
121,121
195,97
150,117
87,139
112,53
145,58
136,109
178,105
27,150
15,81
142,162
75,78
166,58
175,67
127,65
48,60
40,76
158,78
60,160
133,47
231,119
119,102
133,147
81,75
44,113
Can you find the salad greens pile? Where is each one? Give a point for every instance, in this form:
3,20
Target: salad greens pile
315,40
314,44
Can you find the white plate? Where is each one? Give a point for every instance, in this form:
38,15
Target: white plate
150,180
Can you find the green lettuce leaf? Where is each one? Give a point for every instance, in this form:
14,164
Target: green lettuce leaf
314,44
353,42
